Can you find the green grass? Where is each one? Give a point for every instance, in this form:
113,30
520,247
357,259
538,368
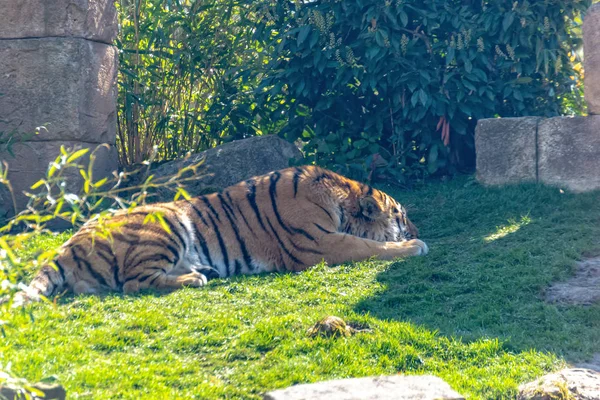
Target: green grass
471,312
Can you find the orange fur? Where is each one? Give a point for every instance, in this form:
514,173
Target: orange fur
287,220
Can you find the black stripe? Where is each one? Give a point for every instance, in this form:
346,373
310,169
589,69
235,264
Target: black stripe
305,249
153,257
224,205
241,242
274,178
290,255
203,245
321,177
210,207
131,278
162,246
152,228
238,267
369,190
145,278
221,245
251,196
198,213
322,229
324,209
273,194
87,264
244,218
154,280
296,179
172,227
61,270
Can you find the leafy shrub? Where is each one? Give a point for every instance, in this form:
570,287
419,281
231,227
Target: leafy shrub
188,70
400,84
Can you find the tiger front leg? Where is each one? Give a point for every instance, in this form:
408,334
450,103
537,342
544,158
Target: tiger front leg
337,248
164,276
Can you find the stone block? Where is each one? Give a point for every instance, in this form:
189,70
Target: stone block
569,152
506,150
89,19
591,60
398,387
66,84
31,160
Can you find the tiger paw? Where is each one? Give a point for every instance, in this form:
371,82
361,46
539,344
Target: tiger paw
193,279
420,246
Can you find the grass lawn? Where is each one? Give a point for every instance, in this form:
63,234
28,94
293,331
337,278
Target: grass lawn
471,312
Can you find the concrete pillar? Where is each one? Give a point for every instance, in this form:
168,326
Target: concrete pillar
58,70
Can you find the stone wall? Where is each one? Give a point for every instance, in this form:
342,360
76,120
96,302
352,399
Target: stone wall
59,71
561,151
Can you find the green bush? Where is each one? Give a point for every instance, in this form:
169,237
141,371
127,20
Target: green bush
400,84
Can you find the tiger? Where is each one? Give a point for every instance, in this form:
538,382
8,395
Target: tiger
284,221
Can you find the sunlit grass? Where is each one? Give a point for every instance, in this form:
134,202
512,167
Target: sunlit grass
505,230
471,312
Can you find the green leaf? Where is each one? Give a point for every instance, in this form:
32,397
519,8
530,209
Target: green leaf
76,155
303,34
423,97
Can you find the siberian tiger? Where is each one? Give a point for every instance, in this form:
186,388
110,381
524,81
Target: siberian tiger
287,220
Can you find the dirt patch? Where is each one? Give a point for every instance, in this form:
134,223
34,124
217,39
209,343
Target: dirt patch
581,289
593,364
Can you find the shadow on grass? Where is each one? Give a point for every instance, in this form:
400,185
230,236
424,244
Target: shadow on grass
493,252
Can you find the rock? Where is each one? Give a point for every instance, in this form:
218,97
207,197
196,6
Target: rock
581,289
68,85
569,152
332,326
31,163
591,61
506,150
51,392
572,384
227,164
399,387
89,19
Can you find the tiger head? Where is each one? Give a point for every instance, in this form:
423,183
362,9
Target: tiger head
379,217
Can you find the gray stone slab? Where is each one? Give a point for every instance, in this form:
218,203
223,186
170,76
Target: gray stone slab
569,152
591,61
398,387
66,84
90,19
31,161
506,150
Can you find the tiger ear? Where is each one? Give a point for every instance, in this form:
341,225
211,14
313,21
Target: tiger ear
369,207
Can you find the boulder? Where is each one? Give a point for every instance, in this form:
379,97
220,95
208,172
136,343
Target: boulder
506,150
88,19
591,61
226,165
569,152
572,384
399,387
68,85
31,160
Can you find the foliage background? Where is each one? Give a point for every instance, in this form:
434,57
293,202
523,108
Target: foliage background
397,84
